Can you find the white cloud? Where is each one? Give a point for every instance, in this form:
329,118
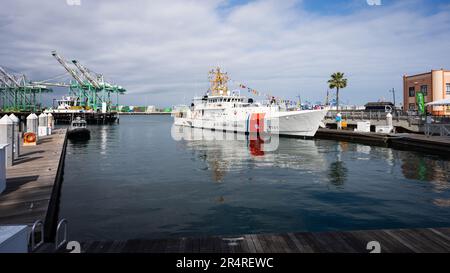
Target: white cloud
164,49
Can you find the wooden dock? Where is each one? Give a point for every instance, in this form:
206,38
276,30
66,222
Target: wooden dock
33,184
424,240
66,118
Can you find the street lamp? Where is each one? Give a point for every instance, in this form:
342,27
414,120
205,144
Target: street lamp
393,94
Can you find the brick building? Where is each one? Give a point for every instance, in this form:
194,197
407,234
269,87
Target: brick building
435,85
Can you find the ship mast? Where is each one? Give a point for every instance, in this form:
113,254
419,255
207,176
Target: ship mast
219,82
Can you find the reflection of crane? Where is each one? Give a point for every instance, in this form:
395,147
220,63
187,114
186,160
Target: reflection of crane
17,94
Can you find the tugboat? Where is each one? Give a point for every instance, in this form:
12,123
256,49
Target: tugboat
78,130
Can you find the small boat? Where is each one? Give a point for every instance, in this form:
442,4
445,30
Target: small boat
78,130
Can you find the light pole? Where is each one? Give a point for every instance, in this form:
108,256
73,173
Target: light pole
393,94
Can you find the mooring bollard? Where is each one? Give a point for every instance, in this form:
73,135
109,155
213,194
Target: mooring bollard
42,128
16,135
6,137
2,167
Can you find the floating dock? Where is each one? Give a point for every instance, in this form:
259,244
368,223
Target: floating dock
419,142
424,240
33,184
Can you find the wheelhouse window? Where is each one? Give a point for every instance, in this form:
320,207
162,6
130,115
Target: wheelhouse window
412,91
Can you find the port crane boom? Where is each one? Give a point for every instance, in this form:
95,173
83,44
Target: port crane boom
11,78
5,82
71,71
86,74
17,94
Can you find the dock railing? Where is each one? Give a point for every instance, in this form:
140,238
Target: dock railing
442,129
411,117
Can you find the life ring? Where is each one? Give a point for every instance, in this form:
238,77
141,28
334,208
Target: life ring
29,137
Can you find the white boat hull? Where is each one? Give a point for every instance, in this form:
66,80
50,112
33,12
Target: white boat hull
295,123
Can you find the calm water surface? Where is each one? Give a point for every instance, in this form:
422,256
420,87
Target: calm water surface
134,180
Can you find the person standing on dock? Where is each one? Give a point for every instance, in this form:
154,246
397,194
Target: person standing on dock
339,121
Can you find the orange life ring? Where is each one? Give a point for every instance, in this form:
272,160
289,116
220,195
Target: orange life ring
29,137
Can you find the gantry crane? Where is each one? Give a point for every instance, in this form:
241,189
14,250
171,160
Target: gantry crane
90,89
17,94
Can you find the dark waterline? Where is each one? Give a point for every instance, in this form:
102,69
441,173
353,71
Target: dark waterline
134,180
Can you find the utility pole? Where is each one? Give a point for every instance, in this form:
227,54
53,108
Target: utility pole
327,102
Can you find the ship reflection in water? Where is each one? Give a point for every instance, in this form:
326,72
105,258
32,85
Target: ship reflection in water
227,151
147,179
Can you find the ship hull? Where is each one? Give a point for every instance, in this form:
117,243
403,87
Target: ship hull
291,123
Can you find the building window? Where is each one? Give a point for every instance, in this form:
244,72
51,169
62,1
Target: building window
447,90
412,106
424,89
412,91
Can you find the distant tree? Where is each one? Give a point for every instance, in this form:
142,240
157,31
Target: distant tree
337,81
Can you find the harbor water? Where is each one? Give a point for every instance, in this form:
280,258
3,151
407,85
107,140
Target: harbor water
140,180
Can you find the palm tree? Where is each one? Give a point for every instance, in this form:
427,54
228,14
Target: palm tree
337,81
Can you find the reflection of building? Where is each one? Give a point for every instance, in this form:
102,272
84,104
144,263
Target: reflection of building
435,85
435,171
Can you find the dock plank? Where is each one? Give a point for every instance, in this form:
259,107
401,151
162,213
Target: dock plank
392,241
31,180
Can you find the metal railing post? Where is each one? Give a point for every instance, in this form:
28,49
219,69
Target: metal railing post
62,223
35,245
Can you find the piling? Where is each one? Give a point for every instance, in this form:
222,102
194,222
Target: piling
48,125
6,137
16,135
42,129
2,168
51,121
32,124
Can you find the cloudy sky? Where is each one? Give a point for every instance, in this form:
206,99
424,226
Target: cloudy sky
161,51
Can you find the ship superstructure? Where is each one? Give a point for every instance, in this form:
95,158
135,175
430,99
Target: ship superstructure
221,109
